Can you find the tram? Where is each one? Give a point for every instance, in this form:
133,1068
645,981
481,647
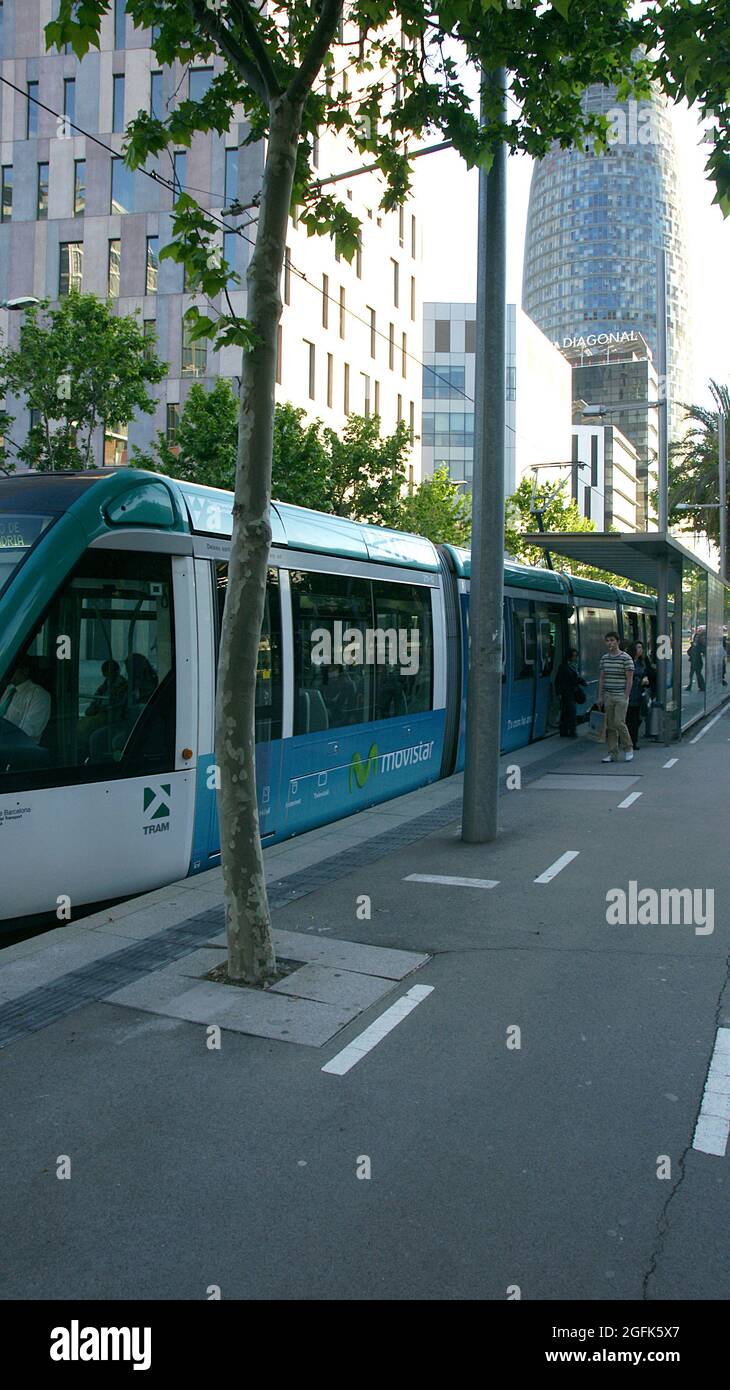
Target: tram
112,586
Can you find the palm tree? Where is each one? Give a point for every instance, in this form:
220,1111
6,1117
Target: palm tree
693,468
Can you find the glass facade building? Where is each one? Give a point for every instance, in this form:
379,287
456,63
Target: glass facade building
594,226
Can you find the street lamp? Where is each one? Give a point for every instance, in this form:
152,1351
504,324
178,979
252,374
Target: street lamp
25,301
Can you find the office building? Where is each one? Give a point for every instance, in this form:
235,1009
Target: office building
595,224
537,395
73,216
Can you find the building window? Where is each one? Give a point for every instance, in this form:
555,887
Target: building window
180,171
346,389
122,199
194,354
172,422
6,202
412,420
70,266
442,335
115,256
120,8
79,187
315,151
401,221
200,80
152,264
311,360
69,98
574,469
391,346
116,440
470,335
330,378
511,383
413,298
396,281
404,355
230,186
118,101
157,101
149,332
343,311
358,258
373,332
230,249
42,200
376,410
594,461
325,301
587,503
399,412
365,394
31,119
279,346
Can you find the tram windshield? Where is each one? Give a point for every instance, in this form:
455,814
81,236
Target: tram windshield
18,535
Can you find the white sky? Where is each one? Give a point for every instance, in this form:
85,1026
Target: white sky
449,199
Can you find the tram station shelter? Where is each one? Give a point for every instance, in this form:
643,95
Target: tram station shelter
697,606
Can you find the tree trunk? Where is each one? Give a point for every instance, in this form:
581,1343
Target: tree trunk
248,924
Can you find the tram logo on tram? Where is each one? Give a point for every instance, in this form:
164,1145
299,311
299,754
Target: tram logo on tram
157,808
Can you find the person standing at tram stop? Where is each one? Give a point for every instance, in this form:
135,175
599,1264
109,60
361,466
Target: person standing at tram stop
570,689
642,691
615,679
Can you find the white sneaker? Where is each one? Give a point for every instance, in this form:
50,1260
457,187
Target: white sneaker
609,759
628,757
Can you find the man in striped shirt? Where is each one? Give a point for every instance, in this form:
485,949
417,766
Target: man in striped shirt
615,679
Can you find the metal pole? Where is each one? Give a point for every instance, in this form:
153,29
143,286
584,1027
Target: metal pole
484,698
663,485
722,463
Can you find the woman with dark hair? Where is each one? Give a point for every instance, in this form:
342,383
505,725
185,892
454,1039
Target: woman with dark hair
644,684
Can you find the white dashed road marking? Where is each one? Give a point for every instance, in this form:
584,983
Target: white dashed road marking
628,801
713,1124
360,1046
452,882
671,762
567,858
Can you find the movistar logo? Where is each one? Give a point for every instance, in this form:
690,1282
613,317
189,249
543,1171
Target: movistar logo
157,802
361,770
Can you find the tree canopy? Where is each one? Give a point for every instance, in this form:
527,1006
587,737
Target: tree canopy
78,366
694,479
359,473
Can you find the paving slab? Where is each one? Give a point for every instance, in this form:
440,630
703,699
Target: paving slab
341,987
346,955
258,1012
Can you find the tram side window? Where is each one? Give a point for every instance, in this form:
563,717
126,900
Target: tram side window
93,693
268,669
523,641
402,649
593,624
330,689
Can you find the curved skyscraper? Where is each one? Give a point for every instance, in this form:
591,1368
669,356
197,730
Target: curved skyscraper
594,226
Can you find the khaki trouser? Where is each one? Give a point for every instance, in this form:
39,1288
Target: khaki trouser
616,731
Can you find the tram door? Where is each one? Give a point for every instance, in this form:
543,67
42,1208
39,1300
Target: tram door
549,654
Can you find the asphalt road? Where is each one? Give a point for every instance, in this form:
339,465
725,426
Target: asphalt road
490,1166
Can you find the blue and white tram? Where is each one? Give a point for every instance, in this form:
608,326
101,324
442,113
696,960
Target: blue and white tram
112,588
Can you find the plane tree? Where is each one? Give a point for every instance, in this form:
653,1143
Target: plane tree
410,67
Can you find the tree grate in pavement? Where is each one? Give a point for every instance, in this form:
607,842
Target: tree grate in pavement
93,982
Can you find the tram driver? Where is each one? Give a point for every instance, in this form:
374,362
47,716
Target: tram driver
25,709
